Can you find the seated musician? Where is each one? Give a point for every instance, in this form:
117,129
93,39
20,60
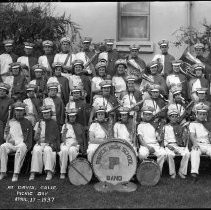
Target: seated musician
47,139
79,77
99,131
101,75
177,78
73,138
200,136
197,82
17,82
18,137
124,128
175,142
118,80
202,98
56,103
63,87
32,104
155,100
107,98
40,81
77,101
149,139
131,96
155,76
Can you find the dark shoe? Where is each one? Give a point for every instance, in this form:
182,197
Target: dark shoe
195,177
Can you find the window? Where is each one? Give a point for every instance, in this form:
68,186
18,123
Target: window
133,21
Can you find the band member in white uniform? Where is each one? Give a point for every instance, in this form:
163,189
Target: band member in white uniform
98,132
47,139
70,143
148,138
174,142
200,136
18,137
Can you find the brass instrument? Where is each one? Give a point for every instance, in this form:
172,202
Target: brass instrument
185,112
139,72
188,61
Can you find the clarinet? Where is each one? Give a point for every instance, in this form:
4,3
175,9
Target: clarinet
185,112
7,124
64,133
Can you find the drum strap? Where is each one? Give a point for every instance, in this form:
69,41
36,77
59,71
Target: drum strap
104,126
67,58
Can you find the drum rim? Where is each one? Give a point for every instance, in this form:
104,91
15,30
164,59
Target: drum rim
114,140
148,161
84,160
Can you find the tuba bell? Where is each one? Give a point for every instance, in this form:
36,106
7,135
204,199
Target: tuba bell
188,61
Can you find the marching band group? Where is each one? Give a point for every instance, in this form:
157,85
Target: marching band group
68,104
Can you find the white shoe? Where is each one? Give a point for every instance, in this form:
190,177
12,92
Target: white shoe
181,175
62,176
32,176
15,178
49,176
173,176
2,176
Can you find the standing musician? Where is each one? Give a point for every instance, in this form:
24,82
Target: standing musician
79,77
200,136
175,142
156,77
86,55
28,61
57,106
73,139
18,137
63,87
118,80
33,112
124,129
5,105
98,131
164,58
198,82
135,65
77,101
46,60
6,58
111,56
47,137
17,82
149,139
176,78
65,56
40,81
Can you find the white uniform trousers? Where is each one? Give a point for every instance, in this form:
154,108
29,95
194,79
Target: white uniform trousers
20,153
184,162
204,148
91,150
43,155
160,153
65,151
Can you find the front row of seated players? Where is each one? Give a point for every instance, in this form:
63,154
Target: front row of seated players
171,140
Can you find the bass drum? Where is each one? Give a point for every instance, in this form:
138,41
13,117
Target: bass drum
148,173
80,172
114,162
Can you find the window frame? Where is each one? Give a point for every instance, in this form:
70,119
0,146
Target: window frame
135,14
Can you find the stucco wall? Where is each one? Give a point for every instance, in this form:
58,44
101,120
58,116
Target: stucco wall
99,20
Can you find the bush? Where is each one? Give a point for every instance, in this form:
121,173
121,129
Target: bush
34,22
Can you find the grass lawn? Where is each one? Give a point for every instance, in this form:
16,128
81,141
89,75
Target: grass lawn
167,193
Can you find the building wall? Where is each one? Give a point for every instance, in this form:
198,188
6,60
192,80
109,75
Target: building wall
99,20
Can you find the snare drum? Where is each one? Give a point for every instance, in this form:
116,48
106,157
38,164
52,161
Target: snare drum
80,171
114,162
148,173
